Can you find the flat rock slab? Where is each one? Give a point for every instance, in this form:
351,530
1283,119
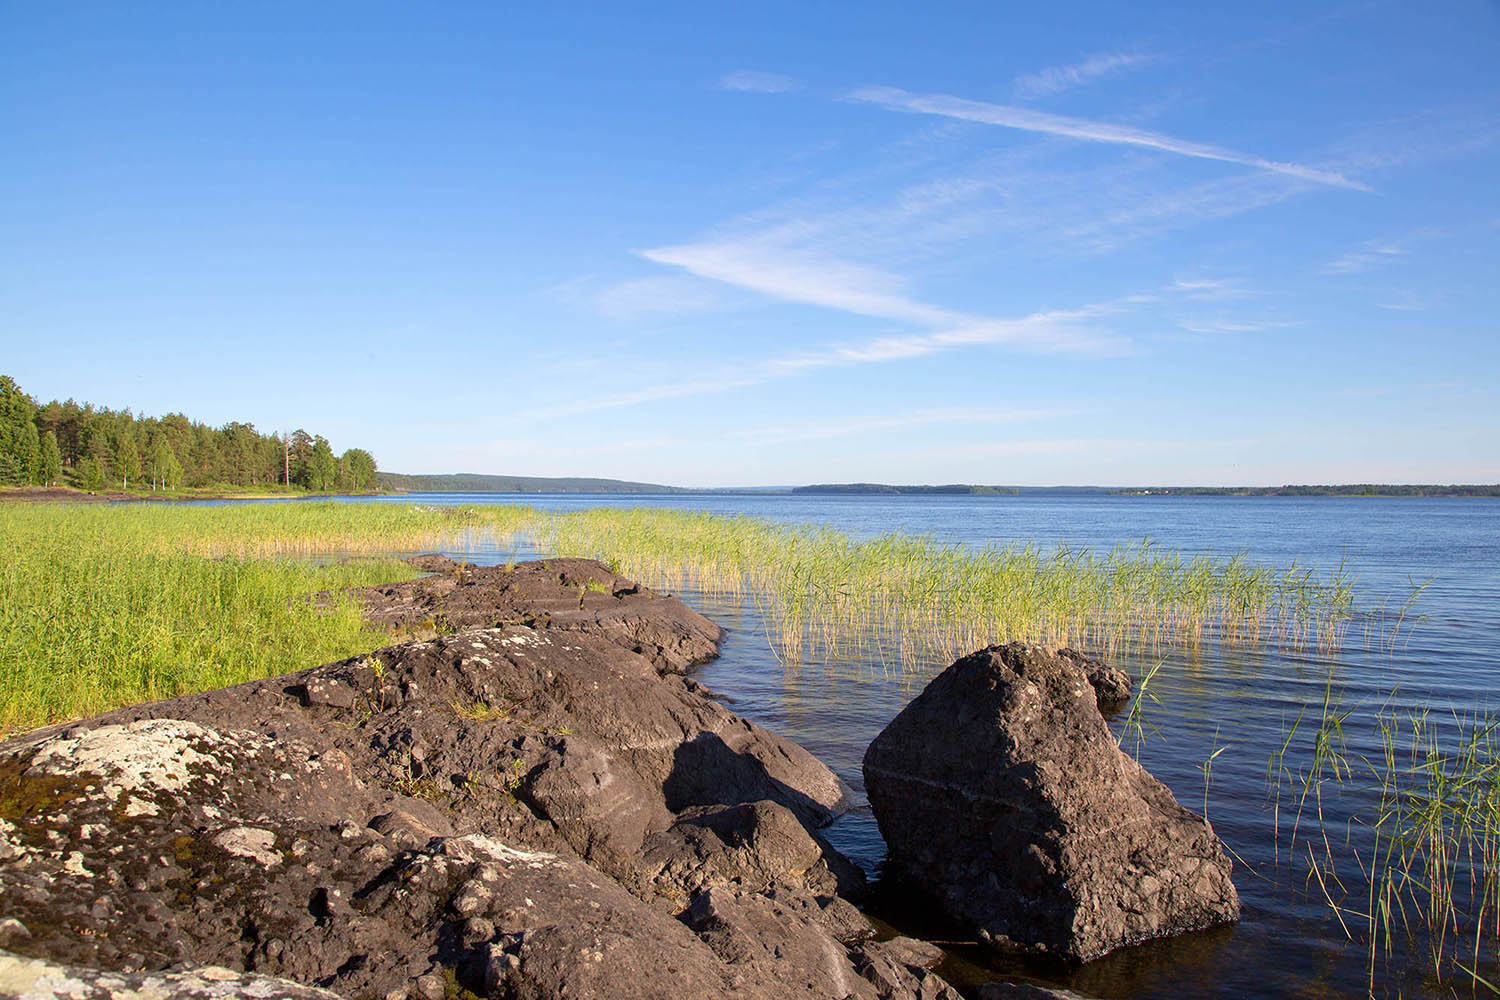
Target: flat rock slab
1001,793
563,594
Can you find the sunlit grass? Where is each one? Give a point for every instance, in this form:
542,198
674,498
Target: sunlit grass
107,605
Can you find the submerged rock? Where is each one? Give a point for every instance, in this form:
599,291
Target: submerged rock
522,811
1001,793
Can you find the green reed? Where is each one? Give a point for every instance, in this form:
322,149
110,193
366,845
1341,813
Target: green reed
1417,867
826,590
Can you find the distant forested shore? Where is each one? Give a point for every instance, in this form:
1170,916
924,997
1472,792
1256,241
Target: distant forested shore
93,448
1344,490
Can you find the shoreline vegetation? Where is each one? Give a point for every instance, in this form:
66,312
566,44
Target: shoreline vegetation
104,605
72,494
98,450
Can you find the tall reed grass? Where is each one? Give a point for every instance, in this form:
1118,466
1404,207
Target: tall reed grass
106,605
827,591
1414,870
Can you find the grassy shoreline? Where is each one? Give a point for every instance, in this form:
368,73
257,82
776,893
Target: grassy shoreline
70,494
105,605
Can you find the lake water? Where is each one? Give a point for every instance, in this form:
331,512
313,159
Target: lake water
1240,699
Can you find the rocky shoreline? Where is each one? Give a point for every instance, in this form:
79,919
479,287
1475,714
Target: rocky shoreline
529,799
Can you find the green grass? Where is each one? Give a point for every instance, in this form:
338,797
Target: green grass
104,605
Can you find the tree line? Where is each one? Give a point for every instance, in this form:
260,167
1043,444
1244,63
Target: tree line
95,447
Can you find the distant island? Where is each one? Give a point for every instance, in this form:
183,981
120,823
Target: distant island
1344,490
954,489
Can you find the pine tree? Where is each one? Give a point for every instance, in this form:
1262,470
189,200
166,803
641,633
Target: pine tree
359,468
51,459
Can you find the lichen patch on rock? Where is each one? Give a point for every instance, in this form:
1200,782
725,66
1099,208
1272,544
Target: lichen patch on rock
152,754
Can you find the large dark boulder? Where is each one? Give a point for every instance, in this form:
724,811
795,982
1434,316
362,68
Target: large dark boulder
1002,794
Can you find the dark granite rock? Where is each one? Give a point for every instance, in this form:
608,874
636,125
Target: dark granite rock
754,846
766,941
1111,684
1001,793
563,594
1024,991
521,811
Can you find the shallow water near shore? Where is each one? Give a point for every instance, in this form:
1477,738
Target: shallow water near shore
1243,699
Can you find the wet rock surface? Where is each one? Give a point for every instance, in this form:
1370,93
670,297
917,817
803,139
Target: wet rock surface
1001,794
526,810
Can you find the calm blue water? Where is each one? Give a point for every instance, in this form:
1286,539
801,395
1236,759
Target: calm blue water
1244,700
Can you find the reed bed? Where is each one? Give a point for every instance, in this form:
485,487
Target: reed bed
107,605
1412,870
829,594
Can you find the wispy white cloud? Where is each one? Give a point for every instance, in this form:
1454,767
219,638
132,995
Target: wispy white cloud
1402,301
1056,79
675,389
794,275
1029,120
1199,288
1424,137
759,83
1234,325
657,295
1050,331
1370,253
1139,212
790,274
1054,330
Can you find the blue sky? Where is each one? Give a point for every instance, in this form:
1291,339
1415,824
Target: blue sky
772,243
